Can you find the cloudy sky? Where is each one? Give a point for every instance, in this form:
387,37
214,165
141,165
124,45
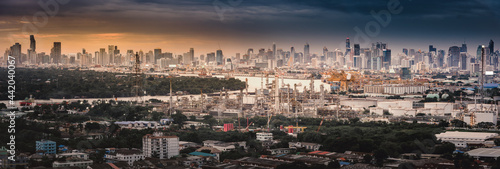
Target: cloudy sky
236,25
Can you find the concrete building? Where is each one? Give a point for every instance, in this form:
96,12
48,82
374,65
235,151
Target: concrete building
137,124
125,155
73,160
484,153
46,147
157,144
264,136
395,89
307,146
461,139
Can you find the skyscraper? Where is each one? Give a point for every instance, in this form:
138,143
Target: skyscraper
491,46
32,50
432,48
463,48
15,51
387,58
219,58
405,51
356,50
274,50
191,54
306,53
453,56
55,53
157,55
102,59
111,54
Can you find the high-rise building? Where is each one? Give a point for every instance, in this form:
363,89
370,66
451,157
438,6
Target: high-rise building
387,58
156,144
491,46
191,54
325,51
463,48
453,56
356,50
307,55
102,56
219,57
274,50
210,57
463,61
440,58
157,55
15,51
432,49
405,51
111,54
55,53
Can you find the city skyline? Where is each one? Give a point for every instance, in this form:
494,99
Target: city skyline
236,27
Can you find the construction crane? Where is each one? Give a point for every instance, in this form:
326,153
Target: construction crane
246,129
342,77
321,123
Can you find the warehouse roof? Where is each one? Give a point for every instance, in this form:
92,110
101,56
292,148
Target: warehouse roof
485,152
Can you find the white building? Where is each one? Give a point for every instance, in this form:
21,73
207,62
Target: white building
489,113
129,156
160,145
73,160
307,146
137,124
262,136
461,139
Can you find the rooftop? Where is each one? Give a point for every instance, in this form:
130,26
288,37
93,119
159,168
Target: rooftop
485,152
472,135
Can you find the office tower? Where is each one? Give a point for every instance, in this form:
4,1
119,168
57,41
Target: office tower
325,51
250,52
453,56
307,55
191,54
405,51
440,58
210,57
102,56
478,53
111,54
274,51
411,53
164,147
463,48
157,55
55,53
238,57
186,57
491,46
432,49
347,49
202,58
387,58
356,50
15,51
219,57
463,60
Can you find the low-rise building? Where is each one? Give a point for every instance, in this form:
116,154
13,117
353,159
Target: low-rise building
461,139
306,145
124,155
46,147
73,160
263,136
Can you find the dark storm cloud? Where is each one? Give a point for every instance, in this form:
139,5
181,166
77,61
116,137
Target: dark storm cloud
303,20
